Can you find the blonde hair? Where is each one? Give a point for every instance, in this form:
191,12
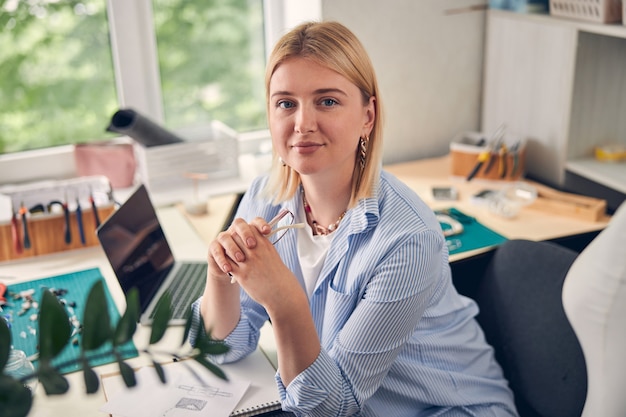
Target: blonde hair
334,46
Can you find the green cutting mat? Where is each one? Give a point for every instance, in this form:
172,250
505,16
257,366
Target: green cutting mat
24,327
475,235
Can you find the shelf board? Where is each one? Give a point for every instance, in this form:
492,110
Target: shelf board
616,30
609,174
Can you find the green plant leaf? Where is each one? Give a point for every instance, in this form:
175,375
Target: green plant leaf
5,343
209,346
127,325
188,323
15,398
96,321
92,382
128,374
160,372
162,315
53,382
211,367
54,327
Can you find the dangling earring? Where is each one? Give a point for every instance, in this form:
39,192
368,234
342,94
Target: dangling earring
363,142
281,161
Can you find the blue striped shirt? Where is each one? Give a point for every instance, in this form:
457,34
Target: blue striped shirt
397,339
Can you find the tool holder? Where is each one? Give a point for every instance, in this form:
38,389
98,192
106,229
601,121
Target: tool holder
52,216
505,163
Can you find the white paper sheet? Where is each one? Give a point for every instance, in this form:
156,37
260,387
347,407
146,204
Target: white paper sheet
182,396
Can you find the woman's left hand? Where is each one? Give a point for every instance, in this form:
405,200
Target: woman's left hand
255,263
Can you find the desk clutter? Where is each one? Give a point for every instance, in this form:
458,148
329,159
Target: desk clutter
498,157
52,216
464,233
501,157
19,306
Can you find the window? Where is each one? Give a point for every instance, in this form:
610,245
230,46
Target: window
211,61
59,85
67,65
56,76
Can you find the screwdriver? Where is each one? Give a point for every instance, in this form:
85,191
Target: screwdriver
79,221
482,157
23,213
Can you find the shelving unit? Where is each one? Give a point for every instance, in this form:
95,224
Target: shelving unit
561,84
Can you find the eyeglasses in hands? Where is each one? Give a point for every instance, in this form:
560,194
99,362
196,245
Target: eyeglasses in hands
280,225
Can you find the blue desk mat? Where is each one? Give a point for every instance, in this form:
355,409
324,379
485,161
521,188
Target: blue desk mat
24,329
475,235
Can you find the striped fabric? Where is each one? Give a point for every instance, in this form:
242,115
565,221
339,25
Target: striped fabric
397,339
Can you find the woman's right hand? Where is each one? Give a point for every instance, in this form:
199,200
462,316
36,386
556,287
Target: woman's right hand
229,247
244,253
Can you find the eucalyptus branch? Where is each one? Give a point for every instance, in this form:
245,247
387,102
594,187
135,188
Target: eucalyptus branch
55,335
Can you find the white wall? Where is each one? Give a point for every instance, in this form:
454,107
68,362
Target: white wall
429,67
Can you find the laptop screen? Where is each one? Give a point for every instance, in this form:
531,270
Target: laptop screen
136,247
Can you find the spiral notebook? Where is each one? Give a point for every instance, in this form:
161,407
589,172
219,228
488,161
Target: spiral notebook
261,396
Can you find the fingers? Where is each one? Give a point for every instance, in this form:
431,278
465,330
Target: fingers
261,225
230,246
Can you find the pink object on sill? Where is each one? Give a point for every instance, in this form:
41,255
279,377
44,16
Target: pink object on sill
116,161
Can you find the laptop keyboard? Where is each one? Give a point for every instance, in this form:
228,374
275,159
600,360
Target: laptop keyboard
186,287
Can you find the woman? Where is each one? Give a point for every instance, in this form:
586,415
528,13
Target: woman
365,317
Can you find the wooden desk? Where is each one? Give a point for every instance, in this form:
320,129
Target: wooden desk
530,224
189,236
421,176
185,244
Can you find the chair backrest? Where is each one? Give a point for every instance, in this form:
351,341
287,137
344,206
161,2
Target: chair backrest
522,315
594,299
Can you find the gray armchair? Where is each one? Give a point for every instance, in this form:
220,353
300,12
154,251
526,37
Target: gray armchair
522,315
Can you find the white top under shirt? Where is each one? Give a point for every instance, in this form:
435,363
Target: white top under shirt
312,250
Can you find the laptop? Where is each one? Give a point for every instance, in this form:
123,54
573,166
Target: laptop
141,257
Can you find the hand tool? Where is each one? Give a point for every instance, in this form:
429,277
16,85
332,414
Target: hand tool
23,214
456,215
515,151
452,226
79,222
485,155
3,299
495,146
37,208
94,209
482,157
15,234
502,166
67,231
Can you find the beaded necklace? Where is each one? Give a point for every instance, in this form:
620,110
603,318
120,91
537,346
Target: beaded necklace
317,228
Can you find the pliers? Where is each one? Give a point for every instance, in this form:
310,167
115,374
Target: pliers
492,158
485,156
66,213
515,152
94,209
15,234
502,167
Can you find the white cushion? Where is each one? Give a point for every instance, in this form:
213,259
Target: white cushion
594,299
